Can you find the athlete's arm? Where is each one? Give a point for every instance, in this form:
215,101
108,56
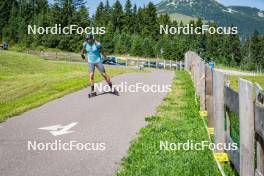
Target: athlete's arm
83,52
103,52
101,49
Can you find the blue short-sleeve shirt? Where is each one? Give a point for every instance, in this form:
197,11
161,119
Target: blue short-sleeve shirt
93,52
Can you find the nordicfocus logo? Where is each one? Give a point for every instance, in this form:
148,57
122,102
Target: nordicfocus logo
134,88
204,145
190,29
58,29
58,145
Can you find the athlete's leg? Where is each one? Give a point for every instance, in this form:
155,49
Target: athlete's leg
91,75
101,69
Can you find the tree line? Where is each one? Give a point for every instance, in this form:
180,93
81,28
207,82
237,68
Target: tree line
130,30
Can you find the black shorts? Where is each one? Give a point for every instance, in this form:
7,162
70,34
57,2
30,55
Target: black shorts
98,65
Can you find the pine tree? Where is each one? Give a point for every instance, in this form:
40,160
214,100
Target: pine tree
139,21
83,17
41,7
213,46
136,47
117,16
5,12
128,17
108,39
255,48
164,19
123,44
234,50
134,19
262,52
108,13
13,24
150,27
99,19
167,49
147,47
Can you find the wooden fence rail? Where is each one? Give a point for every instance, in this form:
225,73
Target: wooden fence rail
222,103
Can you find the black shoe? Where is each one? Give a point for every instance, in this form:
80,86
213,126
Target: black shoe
115,92
93,94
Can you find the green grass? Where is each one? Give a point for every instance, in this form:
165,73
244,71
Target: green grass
21,48
177,120
234,126
234,120
180,17
253,79
27,81
235,68
184,18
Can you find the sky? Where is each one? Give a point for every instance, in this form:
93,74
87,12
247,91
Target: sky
92,4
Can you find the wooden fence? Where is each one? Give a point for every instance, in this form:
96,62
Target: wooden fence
161,64
73,57
58,56
223,103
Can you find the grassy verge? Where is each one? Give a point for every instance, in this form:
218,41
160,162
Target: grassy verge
27,81
177,120
21,48
253,79
235,68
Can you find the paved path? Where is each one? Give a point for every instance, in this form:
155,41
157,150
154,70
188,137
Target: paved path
107,119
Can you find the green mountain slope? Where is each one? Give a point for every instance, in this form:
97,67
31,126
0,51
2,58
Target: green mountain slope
245,18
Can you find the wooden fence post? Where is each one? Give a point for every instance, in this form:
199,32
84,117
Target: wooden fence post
259,143
196,74
164,62
246,114
260,163
186,61
218,103
180,65
202,86
149,63
209,95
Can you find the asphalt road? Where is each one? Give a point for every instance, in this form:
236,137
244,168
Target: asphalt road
105,125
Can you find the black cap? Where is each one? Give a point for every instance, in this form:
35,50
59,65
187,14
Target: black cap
89,36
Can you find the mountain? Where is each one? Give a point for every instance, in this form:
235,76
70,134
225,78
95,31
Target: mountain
253,12
247,19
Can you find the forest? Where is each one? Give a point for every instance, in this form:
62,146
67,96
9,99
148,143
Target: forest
130,30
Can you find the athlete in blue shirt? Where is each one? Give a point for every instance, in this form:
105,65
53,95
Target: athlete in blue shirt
94,49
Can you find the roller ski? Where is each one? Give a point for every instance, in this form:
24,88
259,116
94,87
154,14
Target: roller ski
115,92
93,94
